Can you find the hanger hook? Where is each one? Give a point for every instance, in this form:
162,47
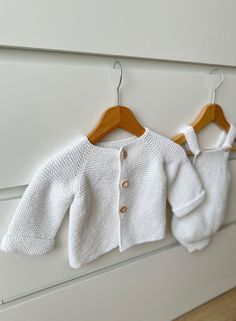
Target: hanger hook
220,84
117,63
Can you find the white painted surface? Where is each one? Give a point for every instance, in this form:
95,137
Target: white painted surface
39,272
49,98
32,273
164,99
158,287
53,105
185,30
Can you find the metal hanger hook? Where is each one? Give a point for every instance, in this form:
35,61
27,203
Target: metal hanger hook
220,84
117,63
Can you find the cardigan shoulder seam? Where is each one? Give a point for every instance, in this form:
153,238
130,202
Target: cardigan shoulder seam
153,148
162,153
64,166
78,176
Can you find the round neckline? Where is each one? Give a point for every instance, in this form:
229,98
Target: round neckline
127,141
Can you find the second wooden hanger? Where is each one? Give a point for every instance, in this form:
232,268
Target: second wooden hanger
210,113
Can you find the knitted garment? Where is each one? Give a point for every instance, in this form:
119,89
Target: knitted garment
116,194
195,230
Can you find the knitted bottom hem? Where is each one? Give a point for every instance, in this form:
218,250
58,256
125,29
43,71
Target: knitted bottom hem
131,244
76,263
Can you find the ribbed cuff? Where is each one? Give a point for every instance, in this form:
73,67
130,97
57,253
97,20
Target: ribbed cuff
190,206
26,245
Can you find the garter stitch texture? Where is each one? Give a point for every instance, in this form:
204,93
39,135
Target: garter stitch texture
196,230
86,179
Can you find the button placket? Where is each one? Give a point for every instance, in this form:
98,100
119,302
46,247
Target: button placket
123,183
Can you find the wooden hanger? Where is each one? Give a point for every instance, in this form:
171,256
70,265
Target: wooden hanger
210,113
114,117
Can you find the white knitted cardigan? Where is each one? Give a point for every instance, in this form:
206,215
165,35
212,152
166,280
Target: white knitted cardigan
116,195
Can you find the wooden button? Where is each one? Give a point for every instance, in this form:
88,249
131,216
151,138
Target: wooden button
124,184
124,154
123,209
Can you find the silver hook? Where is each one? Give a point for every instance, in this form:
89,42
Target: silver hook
217,87
117,63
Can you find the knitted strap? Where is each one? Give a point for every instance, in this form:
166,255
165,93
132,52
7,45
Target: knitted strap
230,137
191,139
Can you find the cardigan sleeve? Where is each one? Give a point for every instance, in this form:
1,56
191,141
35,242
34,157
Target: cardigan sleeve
40,212
185,191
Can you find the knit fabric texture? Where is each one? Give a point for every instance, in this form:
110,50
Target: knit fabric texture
87,180
195,230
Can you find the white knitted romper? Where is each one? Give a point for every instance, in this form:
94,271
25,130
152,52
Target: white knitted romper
195,230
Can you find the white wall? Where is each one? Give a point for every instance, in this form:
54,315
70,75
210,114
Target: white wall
40,77
186,30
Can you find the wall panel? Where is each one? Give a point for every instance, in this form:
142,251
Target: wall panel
183,30
51,95
54,105
28,274
158,287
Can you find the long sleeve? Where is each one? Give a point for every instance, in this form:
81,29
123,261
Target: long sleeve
185,191
40,211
